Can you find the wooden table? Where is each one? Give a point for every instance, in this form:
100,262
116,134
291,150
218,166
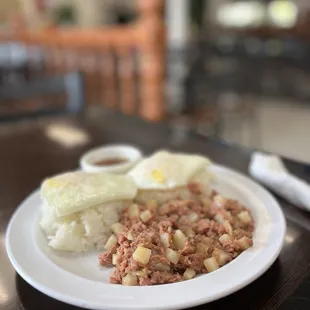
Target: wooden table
31,151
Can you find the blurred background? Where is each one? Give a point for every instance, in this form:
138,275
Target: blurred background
230,70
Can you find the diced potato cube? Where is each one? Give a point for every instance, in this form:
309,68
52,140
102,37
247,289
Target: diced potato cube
221,257
117,228
207,241
183,220
111,242
130,236
206,201
201,248
142,255
152,205
225,239
228,215
179,239
192,217
172,256
134,211
188,231
169,229
165,239
145,216
219,218
141,273
130,280
228,228
245,243
245,217
114,259
219,201
162,267
189,274
211,264
163,209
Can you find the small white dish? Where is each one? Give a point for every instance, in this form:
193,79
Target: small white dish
77,279
129,153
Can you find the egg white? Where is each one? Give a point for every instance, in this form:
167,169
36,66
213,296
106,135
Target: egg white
75,191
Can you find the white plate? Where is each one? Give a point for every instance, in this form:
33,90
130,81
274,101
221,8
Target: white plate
78,280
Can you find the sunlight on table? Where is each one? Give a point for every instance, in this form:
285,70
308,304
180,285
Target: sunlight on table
67,136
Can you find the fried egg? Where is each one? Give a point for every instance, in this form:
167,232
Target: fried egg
71,192
165,170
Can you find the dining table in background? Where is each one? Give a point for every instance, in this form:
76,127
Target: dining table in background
33,150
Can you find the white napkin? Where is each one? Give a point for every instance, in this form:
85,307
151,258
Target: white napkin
270,171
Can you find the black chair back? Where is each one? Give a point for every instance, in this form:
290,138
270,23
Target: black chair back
70,85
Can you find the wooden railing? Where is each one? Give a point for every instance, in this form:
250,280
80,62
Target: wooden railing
124,67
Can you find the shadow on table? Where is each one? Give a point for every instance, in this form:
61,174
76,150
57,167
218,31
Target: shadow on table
253,296
32,299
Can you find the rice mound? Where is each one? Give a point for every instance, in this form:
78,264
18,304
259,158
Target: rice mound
81,231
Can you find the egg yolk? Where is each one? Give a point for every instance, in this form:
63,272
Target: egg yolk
158,176
53,183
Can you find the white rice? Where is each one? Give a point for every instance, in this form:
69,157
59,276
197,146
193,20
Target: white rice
81,231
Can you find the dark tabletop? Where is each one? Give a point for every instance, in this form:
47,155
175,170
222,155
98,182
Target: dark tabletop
31,151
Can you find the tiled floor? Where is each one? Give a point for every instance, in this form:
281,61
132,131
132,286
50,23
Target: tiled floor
280,127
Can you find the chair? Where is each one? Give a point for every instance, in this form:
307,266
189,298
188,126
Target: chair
123,66
69,87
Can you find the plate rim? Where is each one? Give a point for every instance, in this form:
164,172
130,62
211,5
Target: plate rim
190,303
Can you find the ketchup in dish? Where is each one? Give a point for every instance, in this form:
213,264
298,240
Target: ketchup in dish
111,161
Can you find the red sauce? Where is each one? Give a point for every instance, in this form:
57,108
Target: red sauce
111,161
